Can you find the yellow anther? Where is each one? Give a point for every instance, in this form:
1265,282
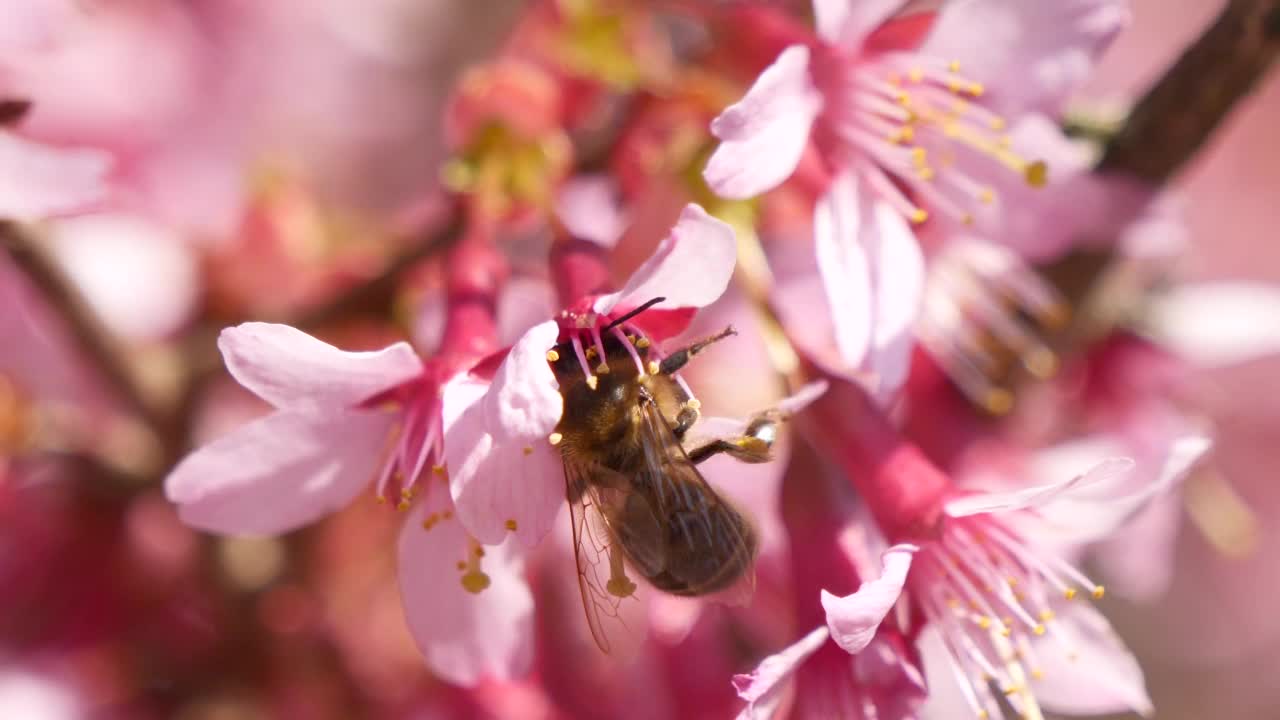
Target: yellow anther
1098,592
925,174
1037,674
555,438
986,196
1013,581
954,66
976,89
1036,174
998,124
430,521
915,75
643,343
406,493
1039,629
602,369
1046,615
552,356
966,219
997,401
510,524
983,715
528,449
653,367
382,499
954,85
984,623
1070,594
438,470
1042,363
919,215
919,155
1005,632
593,382
693,404
402,505
474,582
591,353
1012,690
902,99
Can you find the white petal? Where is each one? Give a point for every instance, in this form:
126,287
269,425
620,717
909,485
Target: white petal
764,134
465,637
1216,324
989,502
293,370
691,267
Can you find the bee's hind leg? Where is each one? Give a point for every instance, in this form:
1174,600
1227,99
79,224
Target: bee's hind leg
755,445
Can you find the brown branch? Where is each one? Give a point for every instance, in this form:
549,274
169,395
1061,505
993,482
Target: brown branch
1174,119
87,333
377,292
1179,113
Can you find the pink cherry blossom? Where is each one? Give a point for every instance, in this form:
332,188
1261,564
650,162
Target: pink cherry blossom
830,683
505,474
987,576
890,115
927,115
340,420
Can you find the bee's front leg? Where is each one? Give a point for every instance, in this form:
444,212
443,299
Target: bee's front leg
755,445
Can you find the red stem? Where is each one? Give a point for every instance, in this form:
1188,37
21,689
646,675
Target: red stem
475,273
901,487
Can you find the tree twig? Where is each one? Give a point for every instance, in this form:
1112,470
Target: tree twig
88,334
1175,117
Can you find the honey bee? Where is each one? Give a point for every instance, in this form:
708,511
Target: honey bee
635,493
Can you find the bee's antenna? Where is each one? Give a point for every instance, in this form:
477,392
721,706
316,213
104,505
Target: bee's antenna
633,313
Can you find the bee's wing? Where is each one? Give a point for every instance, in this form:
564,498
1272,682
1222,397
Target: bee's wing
683,496
597,503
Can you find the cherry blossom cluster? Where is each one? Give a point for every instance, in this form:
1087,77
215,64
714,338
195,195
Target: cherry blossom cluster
873,193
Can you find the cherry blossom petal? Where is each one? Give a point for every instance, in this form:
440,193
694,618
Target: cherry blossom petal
37,181
691,267
589,208
293,370
847,22
504,474
853,619
465,637
762,688
1039,495
1032,55
844,267
1091,510
1138,560
1217,324
765,133
279,472
25,694
1095,675
873,274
